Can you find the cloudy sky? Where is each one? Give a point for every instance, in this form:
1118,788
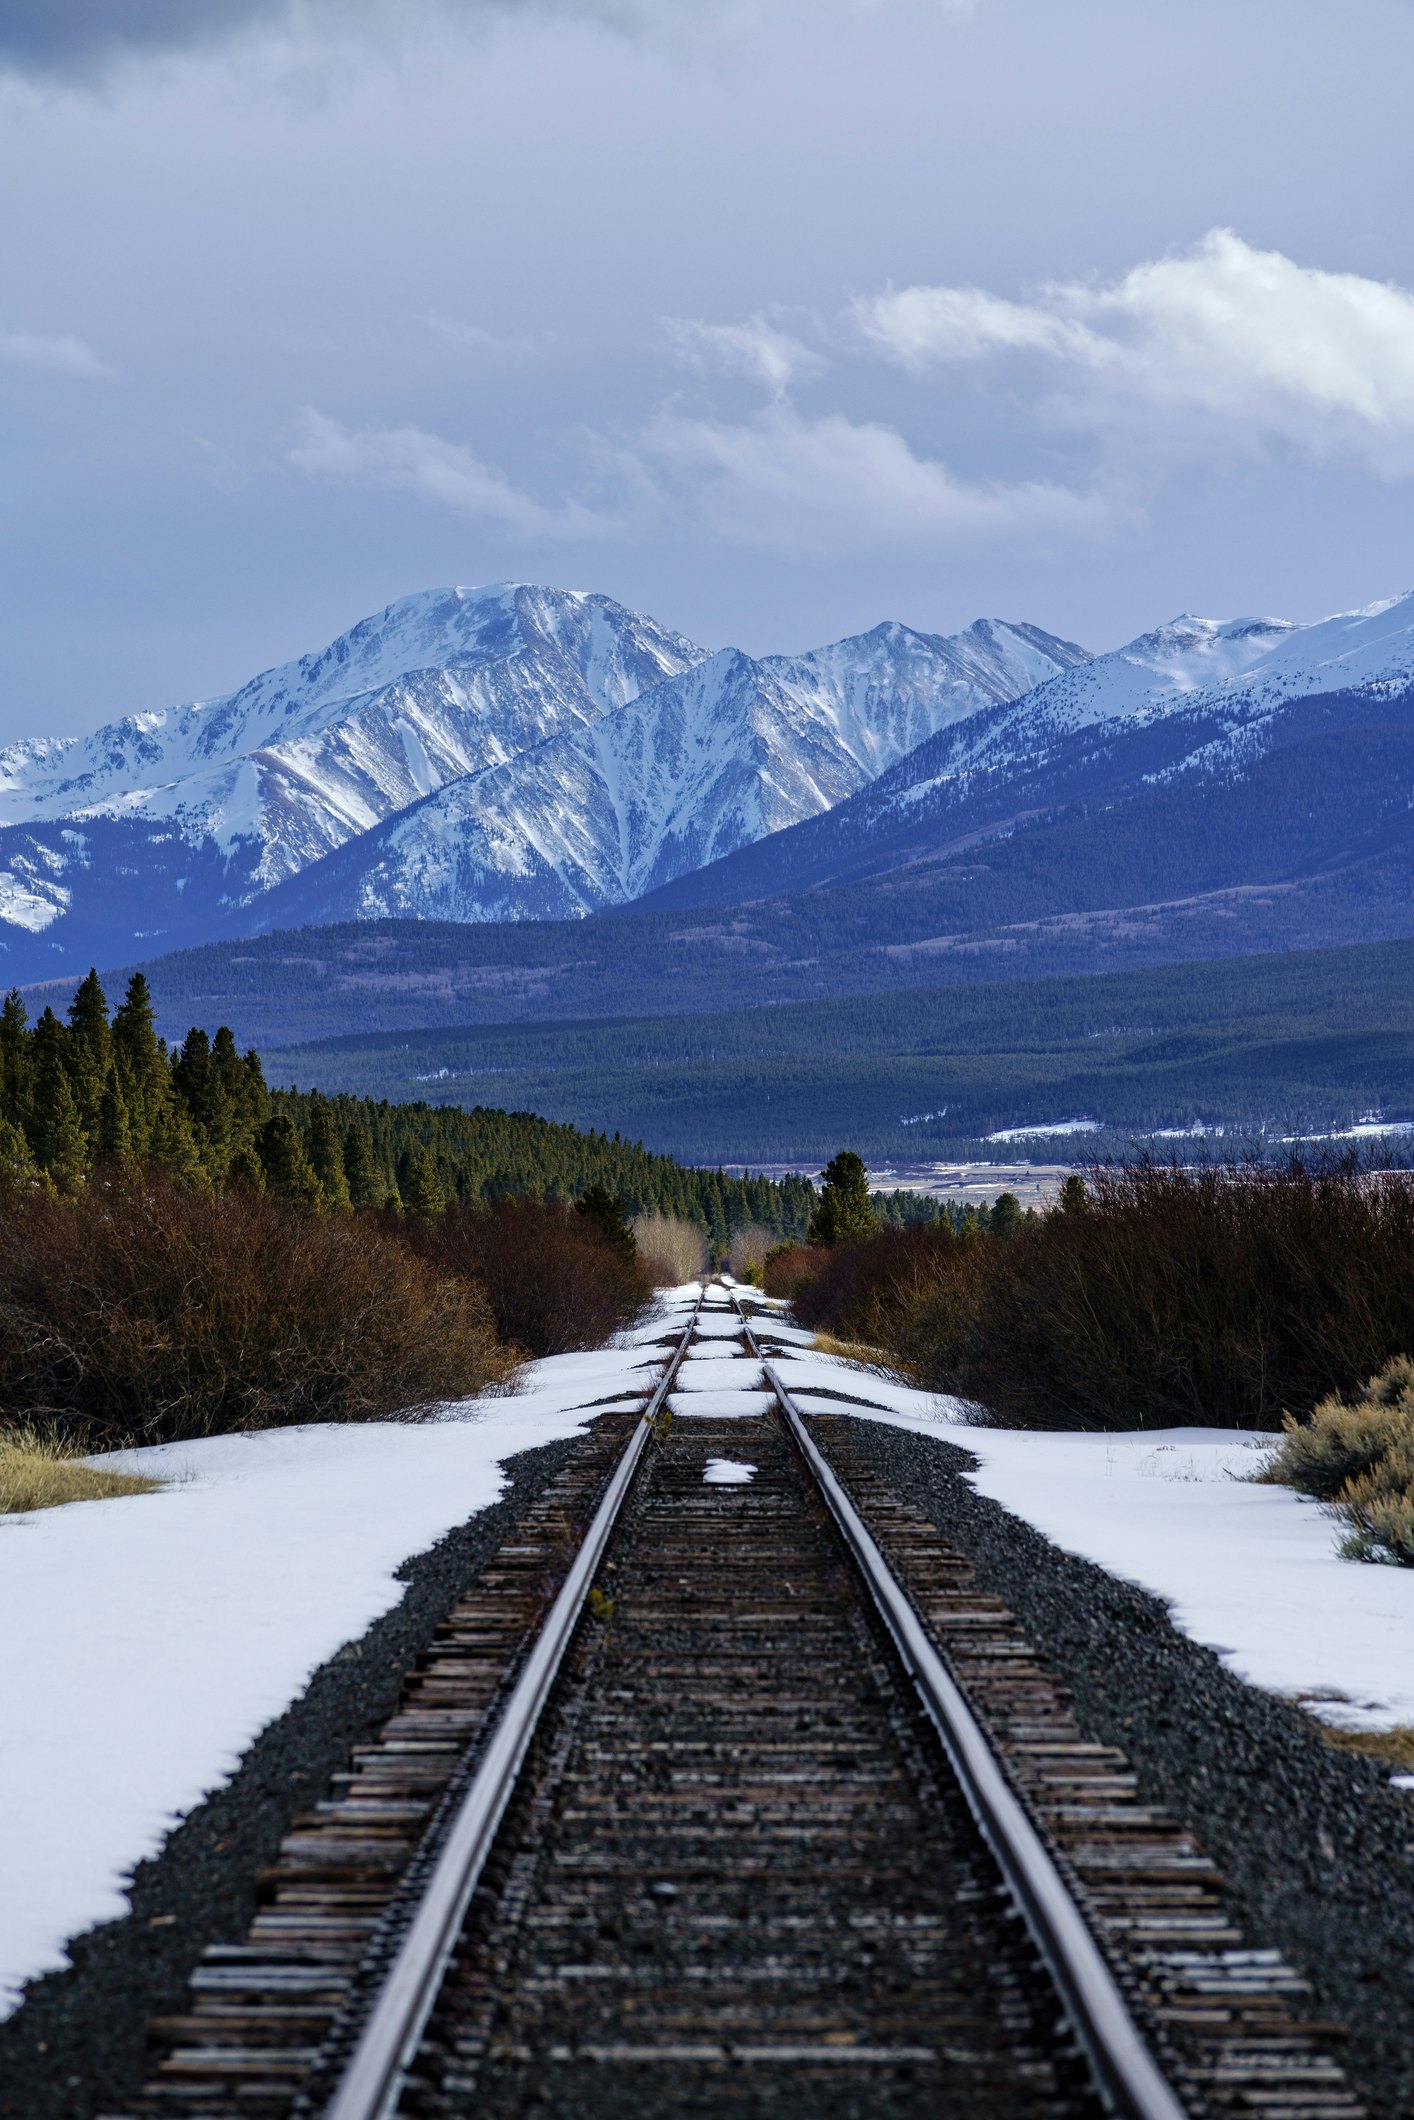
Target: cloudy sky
771,317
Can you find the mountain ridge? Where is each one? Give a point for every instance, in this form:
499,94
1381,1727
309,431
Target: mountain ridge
489,750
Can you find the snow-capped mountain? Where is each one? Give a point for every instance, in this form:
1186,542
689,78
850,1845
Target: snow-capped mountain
717,758
519,752
307,756
1197,696
509,752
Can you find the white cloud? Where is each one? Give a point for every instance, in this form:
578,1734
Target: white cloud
755,349
834,485
61,354
780,481
1324,360
474,338
918,326
411,459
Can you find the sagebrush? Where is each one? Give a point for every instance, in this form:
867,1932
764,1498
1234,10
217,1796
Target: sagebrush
1358,1458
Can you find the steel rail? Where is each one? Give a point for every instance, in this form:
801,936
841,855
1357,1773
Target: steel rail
373,2079
1125,2071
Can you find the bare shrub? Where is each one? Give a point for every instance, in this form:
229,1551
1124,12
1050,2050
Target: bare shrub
145,1311
746,1254
673,1250
1222,1297
914,1292
37,1472
555,1279
787,1267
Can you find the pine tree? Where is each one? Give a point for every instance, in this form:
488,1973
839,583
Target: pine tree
326,1154
141,1061
288,1171
91,1045
244,1169
605,1210
173,1145
1072,1196
423,1195
60,1141
113,1136
845,1210
16,1163
15,1067
368,1185
1005,1215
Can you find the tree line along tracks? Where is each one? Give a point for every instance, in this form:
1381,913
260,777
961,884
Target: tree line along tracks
725,1791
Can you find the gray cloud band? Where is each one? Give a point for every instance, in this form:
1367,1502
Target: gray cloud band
59,35
78,37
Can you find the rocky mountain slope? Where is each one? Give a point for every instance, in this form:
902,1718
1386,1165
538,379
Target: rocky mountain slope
1195,702
512,752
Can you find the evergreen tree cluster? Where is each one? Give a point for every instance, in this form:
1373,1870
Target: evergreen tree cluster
427,1156
103,1092
98,1093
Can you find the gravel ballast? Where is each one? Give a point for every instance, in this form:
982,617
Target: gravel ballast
76,2047
1317,1851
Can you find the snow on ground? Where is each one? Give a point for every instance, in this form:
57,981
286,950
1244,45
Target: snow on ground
161,1633
1251,1571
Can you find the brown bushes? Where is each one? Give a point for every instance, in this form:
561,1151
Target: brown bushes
1222,1298
789,1266
554,1279
145,1311
912,1292
1218,1298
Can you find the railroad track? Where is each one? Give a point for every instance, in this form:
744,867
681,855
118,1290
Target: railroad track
721,1794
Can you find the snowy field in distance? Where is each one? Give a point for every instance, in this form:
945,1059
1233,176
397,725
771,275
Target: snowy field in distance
161,1633
1250,1571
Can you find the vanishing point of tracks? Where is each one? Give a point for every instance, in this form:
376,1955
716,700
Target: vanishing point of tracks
724,1791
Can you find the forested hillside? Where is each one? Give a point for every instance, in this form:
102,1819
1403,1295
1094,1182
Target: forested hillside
1279,1043
99,1092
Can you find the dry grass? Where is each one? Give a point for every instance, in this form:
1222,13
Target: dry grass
850,1351
1393,1748
672,1250
38,1473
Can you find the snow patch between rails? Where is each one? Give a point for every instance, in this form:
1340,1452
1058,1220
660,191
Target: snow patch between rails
720,1405
728,1472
